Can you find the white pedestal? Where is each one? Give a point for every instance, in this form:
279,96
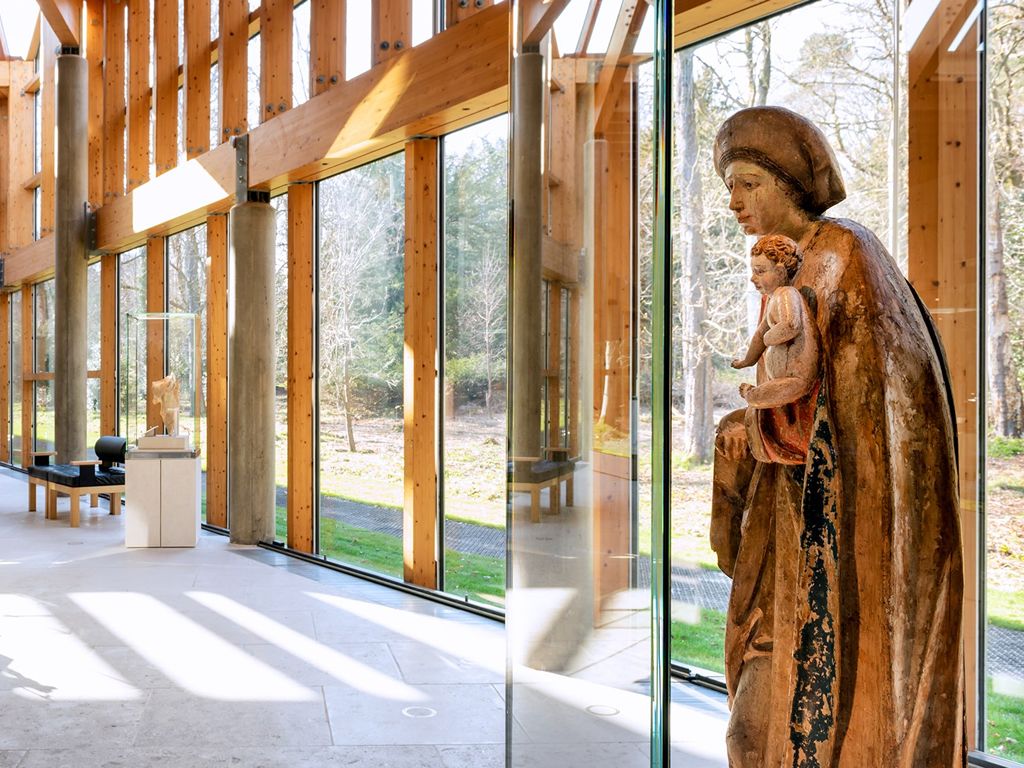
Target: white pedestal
162,499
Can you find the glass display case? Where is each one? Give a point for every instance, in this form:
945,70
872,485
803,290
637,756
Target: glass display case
162,380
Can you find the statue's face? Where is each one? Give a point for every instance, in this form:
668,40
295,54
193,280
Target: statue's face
766,275
757,199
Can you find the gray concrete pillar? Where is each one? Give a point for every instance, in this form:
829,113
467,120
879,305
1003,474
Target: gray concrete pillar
70,375
251,372
527,368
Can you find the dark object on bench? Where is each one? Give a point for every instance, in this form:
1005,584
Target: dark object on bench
80,477
534,475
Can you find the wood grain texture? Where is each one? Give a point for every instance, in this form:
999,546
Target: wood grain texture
275,58
108,344
391,28
197,77
18,222
48,92
139,93
419,524
327,45
454,12
113,101
94,33
232,53
217,371
165,69
301,314
156,301
64,17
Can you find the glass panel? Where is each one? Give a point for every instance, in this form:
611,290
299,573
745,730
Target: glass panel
475,351
280,204
361,217
422,20
16,380
358,54
1004,469
44,322
582,663
186,292
300,53
215,126
44,416
255,107
131,297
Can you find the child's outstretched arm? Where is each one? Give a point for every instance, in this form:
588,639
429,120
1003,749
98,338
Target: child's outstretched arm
755,349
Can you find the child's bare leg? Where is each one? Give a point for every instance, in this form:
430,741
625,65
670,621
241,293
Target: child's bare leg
777,392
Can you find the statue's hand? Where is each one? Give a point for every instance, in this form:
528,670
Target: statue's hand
731,441
739,362
744,389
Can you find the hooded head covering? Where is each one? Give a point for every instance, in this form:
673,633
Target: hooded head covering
787,145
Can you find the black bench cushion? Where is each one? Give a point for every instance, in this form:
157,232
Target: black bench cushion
39,472
83,477
533,471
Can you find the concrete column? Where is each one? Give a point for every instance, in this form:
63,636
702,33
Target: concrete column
527,334
251,372
70,341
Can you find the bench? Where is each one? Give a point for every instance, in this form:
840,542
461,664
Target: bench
534,475
80,478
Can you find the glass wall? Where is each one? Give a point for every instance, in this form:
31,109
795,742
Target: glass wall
43,420
280,204
17,387
131,298
94,337
475,277
360,273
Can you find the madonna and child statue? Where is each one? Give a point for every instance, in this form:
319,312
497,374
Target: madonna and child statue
835,506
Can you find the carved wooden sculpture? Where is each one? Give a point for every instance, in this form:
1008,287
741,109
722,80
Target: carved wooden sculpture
843,640
167,395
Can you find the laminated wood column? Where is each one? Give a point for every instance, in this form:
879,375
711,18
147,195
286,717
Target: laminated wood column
233,57
156,299
94,33
48,93
138,92
326,44
217,371
108,344
301,314
28,393
197,77
419,528
391,28
5,377
275,58
455,11
113,101
18,221
165,103
943,263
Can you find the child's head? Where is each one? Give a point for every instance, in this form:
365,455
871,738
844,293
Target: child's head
780,250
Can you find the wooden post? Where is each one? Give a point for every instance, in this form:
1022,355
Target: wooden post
456,12
139,94
156,301
108,344
113,101
275,58
391,28
19,160
419,529
197,77
165,49
232,48
48,93
5,377
326,44
217,371
94,34
301,311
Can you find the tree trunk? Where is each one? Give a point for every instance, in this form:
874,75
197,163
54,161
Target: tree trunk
695,358
1004,388
346,401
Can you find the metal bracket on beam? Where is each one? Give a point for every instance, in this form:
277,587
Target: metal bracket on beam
241,145
69,50
91,237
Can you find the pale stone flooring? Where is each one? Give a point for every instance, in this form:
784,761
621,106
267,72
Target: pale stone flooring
225,656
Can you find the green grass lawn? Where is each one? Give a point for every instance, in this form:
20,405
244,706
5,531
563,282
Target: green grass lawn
701,644
1005,724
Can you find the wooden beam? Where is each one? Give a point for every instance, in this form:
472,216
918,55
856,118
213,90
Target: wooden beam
108,344
27,386
64,18
538,16
301,318
697,21
419,529
275,58
326,44
94,61
197,77
455,11
48,93
165,72
5,377
18,221
391,28
587,29
31,263
217,371
113,101
614,69
233,58
139,93
156,301
451,80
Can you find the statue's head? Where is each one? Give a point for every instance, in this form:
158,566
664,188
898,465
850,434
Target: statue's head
774,260
775,162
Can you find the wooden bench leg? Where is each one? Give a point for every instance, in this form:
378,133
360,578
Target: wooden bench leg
51,503
115,503
569,491
556,496
31,496
76,498
534,503
94,500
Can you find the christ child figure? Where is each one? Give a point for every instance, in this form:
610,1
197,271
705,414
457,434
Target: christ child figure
786,339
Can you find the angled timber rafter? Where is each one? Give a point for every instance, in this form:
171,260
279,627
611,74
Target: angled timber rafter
616,66
64,18
538,16
587,30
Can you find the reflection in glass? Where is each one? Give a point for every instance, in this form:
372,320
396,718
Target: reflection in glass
16,380
280,204
475,350
361,216
579,601
131,298
44,322
43,426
